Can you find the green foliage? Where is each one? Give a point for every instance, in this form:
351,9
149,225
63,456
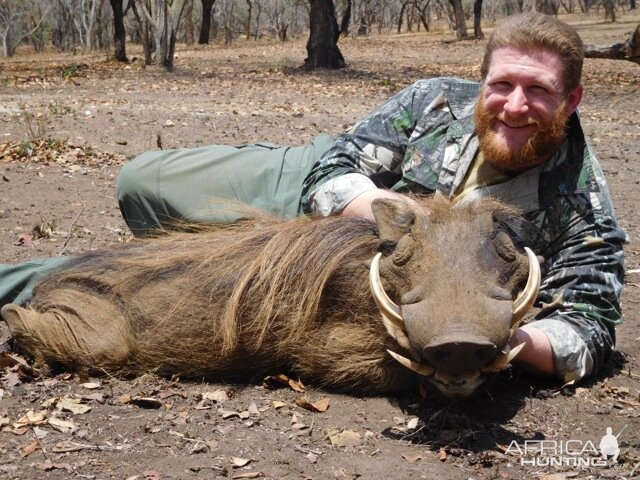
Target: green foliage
25,150
71,70
58,110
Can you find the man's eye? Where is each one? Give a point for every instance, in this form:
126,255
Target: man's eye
502,85
539,90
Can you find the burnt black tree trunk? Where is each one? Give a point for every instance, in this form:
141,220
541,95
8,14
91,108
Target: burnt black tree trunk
119,33
322,46
477,19
205,28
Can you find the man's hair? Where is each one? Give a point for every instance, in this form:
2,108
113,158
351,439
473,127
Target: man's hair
533,30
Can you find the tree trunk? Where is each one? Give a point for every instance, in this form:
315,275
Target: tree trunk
322,46
477,19
629,50
188,23
119,33
461,25
205,28
247,26
401,15
346,20
610,10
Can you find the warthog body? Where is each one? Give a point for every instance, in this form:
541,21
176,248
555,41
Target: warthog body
267,295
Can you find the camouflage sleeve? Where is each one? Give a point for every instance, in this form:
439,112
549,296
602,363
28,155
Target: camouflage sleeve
370,154
581,289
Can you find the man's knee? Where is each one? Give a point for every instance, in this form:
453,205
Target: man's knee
131,179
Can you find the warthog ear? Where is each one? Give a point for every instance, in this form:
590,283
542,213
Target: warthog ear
394,218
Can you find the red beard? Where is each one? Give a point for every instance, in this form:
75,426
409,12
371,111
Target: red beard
541,144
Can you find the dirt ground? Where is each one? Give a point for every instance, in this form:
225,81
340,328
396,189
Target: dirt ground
85,116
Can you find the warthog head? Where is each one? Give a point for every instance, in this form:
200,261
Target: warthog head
451,293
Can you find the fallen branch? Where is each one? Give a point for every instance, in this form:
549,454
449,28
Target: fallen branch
629,50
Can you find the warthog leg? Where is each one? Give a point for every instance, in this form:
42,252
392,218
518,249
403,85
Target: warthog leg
71,329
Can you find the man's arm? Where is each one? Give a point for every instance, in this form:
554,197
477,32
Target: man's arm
580,293
367,158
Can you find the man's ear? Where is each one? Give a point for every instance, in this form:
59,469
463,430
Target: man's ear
574,98
394,218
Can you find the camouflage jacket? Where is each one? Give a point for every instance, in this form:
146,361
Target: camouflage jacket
422,140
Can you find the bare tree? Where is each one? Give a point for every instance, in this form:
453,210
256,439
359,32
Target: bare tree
460,22
162,16
205,27
346,19
322,45
13,15
143,29
477,19
188,23
119,32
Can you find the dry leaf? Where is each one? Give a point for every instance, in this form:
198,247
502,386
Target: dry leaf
412,458
276,381
151,475
213,444
238,462
29,449
47,466
73,405
228,413
218,396
63,426
277,404
31,418
249,475
345,438
413,423
318,407
66,447
91,385
50,403
442,455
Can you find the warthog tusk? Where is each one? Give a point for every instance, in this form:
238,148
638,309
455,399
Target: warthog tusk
503,360
391,315
385,304
419,368
525,299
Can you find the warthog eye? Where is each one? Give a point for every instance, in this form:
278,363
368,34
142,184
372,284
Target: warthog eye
504,246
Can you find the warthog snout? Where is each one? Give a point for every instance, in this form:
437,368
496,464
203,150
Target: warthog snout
459,355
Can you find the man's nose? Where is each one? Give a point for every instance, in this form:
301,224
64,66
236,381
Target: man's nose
517,101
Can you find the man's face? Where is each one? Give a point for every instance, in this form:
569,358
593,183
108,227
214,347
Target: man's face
522,110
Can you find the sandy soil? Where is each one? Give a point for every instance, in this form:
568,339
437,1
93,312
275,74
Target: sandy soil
85,116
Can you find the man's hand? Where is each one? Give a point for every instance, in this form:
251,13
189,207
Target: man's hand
361,205
537,355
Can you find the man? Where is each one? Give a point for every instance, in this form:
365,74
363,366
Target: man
516,136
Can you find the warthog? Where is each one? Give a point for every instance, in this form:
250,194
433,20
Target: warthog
343,302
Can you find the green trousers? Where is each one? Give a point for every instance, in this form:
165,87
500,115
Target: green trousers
210,184
160,189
